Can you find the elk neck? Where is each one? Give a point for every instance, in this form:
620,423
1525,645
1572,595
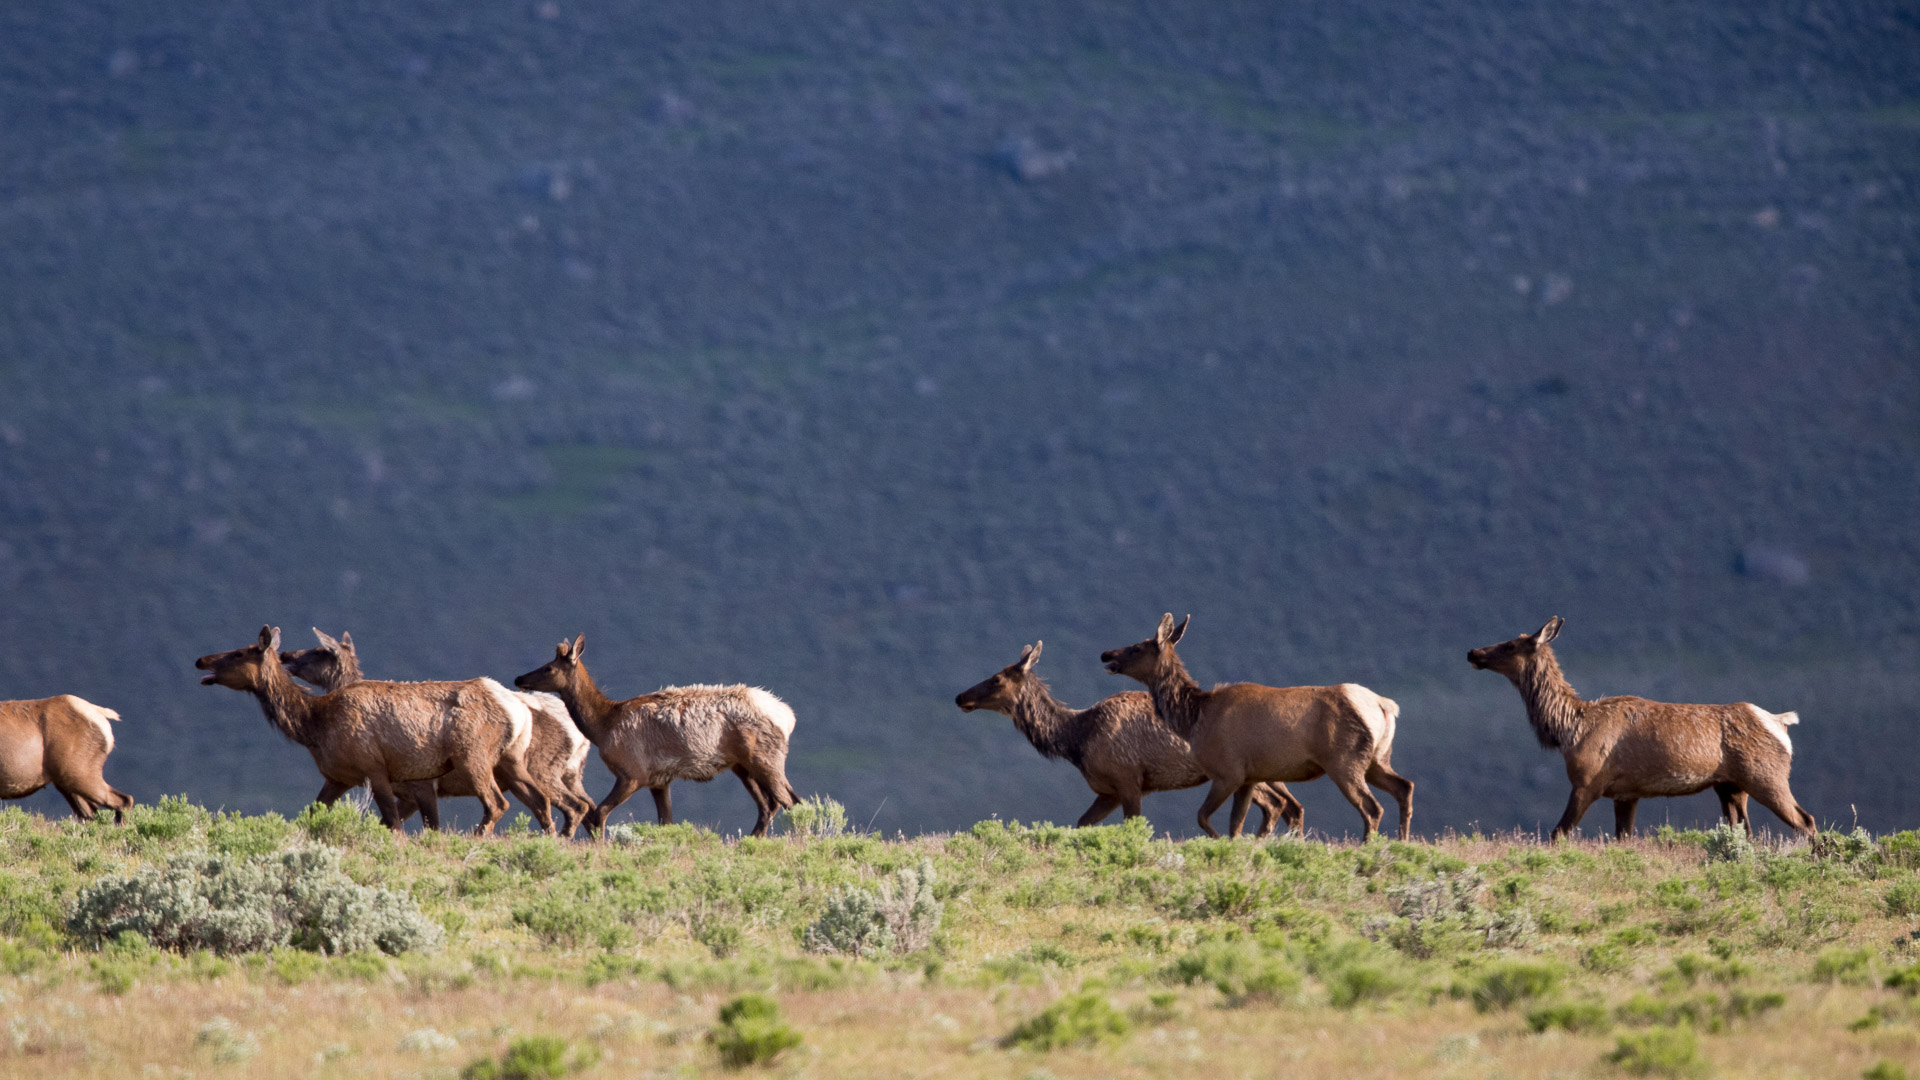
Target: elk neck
288,708
1176,697
590,708
1055,729
1552,706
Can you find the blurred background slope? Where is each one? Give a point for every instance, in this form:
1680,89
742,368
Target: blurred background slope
844,352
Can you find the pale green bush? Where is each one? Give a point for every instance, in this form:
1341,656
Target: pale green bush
901,918
297,898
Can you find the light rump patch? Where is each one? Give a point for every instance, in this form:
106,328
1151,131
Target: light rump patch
778,711
519,717
1379,713
97,714
1776,724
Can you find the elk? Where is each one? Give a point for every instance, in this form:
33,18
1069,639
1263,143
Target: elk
556,752
1244,734
1122,752
380,733
675,733
63,741
1628,748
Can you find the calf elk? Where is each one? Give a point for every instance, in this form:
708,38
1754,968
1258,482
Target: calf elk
1244,734
556,752
63,741
676,733
380,733
1122,752
1628,748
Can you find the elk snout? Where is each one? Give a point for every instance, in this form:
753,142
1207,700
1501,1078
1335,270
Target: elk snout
965,705
1111,658
1478,658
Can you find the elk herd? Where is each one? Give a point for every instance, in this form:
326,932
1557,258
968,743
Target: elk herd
413,743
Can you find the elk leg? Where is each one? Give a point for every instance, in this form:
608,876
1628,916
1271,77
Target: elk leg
1354,787
1292,810
663,803
623,789
760,801
1733,805
121,803
1577,803
418,797
82,809
1102,806
1775,796
382,790
1382,776
331,791
1623,811
1242,802
1129,805
1216,795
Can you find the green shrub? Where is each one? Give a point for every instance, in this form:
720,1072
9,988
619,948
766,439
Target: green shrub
1581,1018
814,817
238,905
1885,1069
1501,985
1240,971
538,858
1083,1019
339,825
533,1057
1605,958
1903,898
751,1032
1355,983
561,920
1906,980
1663,1051
718,933
169,819
902,918
1840,965
238,834
1724,843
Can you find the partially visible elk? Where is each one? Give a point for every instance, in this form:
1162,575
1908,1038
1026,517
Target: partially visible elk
63,741
1628,748
1244,734
381,734
556,752
676,733
1120,749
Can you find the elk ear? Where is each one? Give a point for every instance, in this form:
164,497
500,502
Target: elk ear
1030,654
1179,631
1550,631
1166,628
346,642
579,643
327,643
270,639
560,651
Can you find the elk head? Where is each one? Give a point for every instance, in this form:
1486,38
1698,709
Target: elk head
239,669
1142,660
1511,657
327,664
558,673
1003,689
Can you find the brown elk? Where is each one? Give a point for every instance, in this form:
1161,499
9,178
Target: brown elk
1244,734
1628,748
380,734
63,741
1122,752
556,753
676,733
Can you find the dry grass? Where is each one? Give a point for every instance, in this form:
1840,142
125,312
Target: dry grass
1031,915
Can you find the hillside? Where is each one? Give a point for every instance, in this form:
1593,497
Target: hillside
1686,954
846,353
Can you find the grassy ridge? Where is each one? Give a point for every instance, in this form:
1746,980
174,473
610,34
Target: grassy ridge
1084,952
